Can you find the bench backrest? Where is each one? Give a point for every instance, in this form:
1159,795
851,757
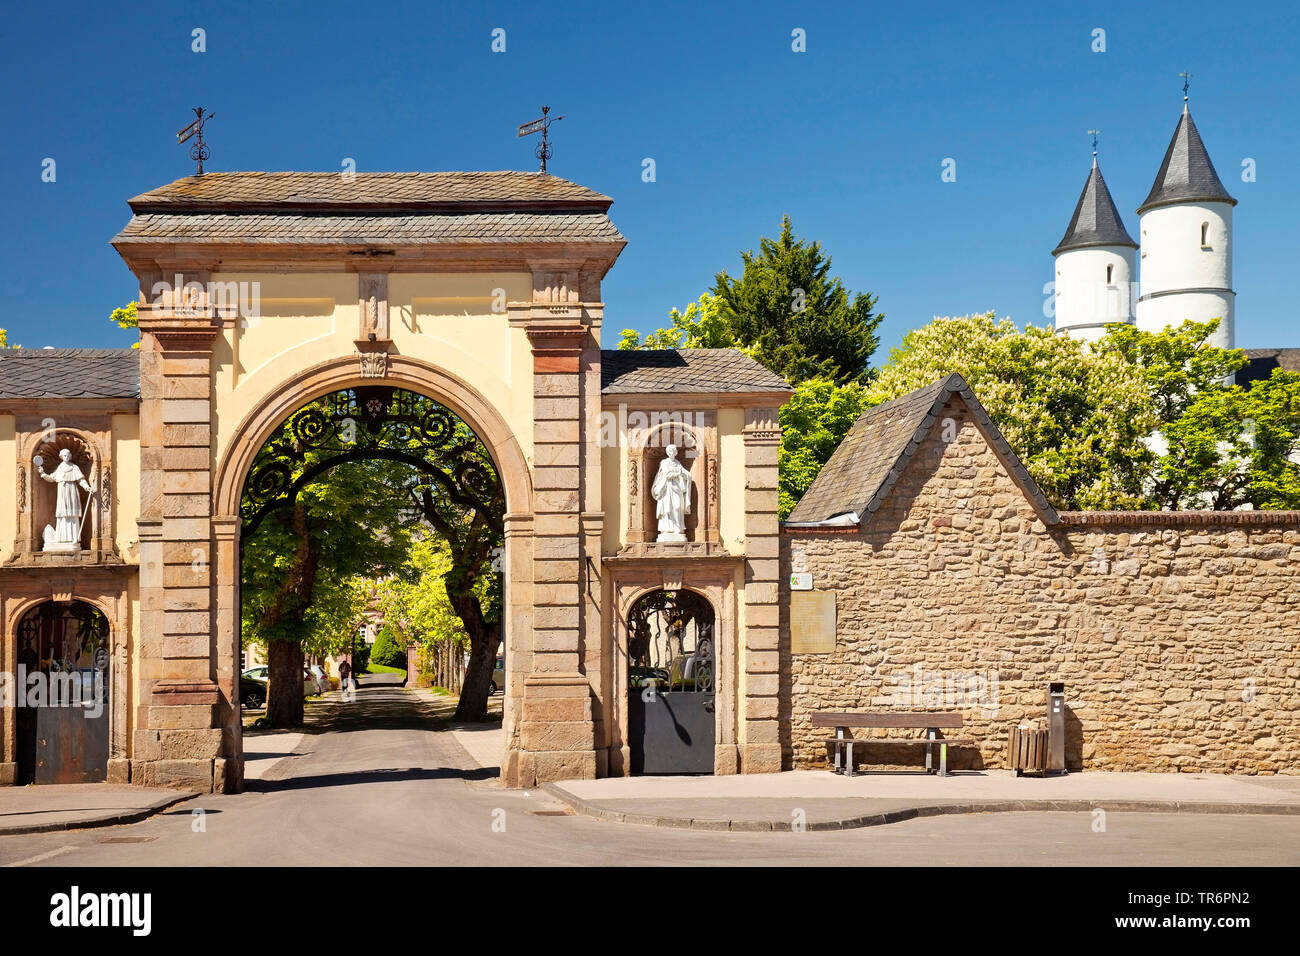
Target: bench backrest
909,719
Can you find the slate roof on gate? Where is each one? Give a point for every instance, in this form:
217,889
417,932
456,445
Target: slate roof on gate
326,208
873,455
69,373
684,370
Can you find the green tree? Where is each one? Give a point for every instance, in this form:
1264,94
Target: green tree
415,601
389,649
799,320
701,326
1233,447
127,317
813,422
304,567
1076,417
1176,364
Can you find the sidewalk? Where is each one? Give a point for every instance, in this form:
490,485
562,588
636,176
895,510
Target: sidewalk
71,806
820,800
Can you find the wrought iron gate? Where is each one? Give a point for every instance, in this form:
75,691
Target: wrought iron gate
671,695
63,712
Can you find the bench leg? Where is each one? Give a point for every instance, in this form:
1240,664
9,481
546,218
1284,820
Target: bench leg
848,746
929,767
839,734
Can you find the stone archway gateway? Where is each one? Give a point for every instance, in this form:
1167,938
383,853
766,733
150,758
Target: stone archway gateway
262,292
480,291
381,420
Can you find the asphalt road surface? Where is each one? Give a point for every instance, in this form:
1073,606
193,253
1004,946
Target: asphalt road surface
383,783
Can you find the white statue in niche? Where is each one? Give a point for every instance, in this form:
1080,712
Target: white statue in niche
65,535
672,494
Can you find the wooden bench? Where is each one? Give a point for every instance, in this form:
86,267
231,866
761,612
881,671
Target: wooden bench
931,723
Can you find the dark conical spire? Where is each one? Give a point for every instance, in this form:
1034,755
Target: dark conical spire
1096,221
1186,175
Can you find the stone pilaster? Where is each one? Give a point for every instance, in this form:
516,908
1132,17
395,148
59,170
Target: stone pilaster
179,739
556,733
760,746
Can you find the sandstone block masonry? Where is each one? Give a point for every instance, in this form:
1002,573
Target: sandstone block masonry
1175,633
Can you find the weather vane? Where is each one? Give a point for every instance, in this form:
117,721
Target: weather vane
1186,77
1094,133
543,149
199,151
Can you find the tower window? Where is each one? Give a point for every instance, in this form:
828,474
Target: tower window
1109,272
1205,232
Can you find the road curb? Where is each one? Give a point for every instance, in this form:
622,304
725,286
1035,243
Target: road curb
111,818
900,814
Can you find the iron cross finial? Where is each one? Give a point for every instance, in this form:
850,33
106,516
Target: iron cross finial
1094,133
1186,78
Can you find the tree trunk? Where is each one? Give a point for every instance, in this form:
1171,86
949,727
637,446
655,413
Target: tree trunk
284,696
478,674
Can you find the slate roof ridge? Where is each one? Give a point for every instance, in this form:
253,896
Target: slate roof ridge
1096,221
1186,174
330,192
919,411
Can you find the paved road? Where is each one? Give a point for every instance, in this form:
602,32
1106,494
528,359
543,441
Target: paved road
383,783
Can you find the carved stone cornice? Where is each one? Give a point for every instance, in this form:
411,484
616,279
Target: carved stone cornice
657,553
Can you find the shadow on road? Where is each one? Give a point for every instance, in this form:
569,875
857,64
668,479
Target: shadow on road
367,776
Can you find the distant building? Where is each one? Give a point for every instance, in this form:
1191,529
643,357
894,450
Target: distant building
1184,257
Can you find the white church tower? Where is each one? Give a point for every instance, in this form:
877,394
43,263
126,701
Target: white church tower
1094,264
1186,231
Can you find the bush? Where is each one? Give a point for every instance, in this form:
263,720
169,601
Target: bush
361,658
387,651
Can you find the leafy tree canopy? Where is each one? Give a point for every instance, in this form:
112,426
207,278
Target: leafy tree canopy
701,326
1076,417
813,422
127,317
797,318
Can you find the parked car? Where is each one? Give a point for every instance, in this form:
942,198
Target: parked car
252,693
320,676
262,675
498,682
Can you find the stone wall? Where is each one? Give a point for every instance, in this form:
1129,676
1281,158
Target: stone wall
1175,633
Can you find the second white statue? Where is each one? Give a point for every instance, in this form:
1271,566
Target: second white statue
672,494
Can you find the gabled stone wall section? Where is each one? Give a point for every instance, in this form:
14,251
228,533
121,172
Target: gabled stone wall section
1175,633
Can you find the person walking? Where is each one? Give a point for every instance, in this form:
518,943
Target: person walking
345,680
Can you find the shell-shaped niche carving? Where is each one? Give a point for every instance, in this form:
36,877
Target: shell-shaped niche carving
49,452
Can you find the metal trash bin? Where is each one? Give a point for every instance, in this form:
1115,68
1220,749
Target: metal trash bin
1027,749
1055,727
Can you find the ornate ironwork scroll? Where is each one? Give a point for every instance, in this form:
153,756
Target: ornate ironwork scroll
670,642
373,422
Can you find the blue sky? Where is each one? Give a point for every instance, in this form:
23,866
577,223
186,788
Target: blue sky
847,138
